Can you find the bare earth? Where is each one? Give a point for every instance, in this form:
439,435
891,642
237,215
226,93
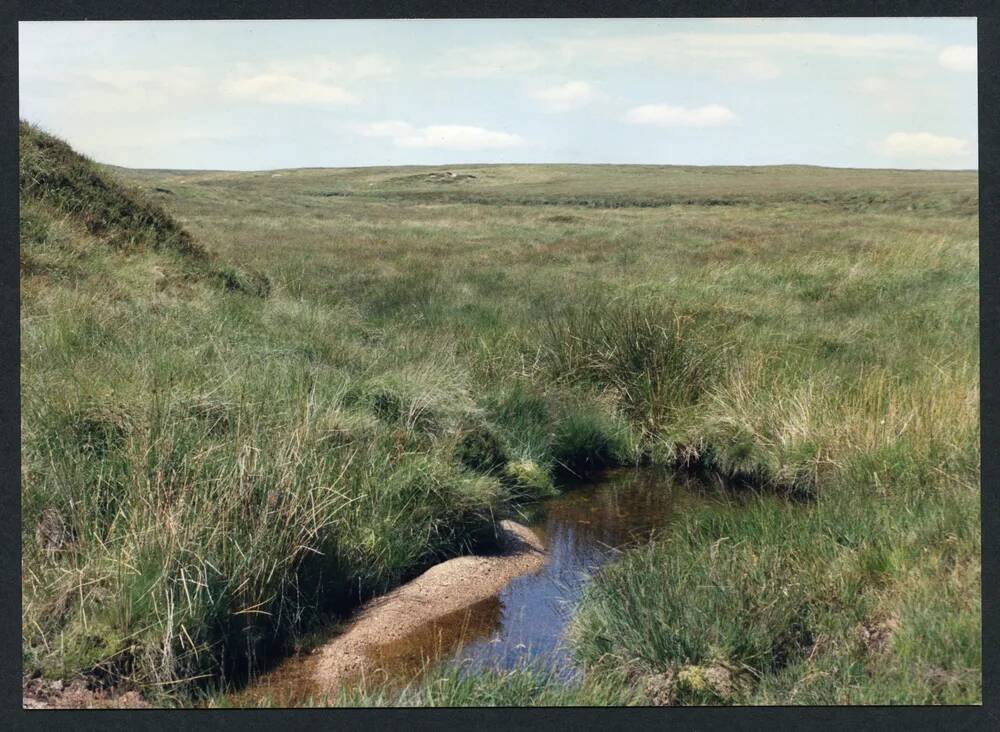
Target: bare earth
43,694
445,588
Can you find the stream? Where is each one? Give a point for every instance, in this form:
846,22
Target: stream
525,624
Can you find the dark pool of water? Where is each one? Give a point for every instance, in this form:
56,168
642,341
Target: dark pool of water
587,526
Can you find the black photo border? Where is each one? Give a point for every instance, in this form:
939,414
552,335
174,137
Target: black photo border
910,718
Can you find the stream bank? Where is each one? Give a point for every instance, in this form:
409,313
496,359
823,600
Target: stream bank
489,612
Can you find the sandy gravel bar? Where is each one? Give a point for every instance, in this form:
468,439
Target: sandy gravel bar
443,589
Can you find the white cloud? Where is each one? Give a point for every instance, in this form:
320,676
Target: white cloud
923,146
285,89
667,115
369,66
566,97
875,85
755,69
313,80
447,137
389,128
892,95
743,55
828,44
331,70
958,58
175,80
121,89
756,56
498,60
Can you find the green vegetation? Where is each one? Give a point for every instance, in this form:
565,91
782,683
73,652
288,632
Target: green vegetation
443,686
214,459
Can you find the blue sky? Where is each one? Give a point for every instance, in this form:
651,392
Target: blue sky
252,95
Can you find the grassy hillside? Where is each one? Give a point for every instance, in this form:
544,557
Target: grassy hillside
439,342
194,487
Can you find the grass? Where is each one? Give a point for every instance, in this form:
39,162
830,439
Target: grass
449,687
373,364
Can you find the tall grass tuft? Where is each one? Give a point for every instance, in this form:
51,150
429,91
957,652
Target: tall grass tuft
646,356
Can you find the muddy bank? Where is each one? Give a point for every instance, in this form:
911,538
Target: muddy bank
46,694
389,632
393,630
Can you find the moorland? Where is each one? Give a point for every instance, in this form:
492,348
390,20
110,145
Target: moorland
253,400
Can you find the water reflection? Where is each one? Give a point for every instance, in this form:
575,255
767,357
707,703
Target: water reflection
525,623
581,530
438,639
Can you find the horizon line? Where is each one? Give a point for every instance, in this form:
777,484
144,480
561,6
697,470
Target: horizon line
577,164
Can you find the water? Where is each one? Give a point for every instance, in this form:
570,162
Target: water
525,624
582,529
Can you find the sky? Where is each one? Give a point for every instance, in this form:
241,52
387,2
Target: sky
258,95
